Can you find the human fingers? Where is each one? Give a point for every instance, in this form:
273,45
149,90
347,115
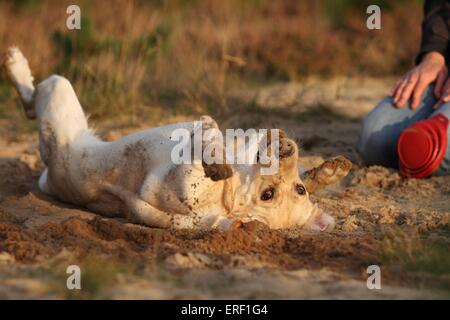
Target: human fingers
418,92
398,92
394,87
404,95
445,97
440,81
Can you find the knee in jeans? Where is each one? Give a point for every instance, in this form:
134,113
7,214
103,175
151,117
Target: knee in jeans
378,148
372,149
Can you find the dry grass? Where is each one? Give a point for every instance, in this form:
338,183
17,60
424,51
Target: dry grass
422,258
184,56
99,273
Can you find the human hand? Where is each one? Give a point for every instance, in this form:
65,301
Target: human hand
413,84
443,95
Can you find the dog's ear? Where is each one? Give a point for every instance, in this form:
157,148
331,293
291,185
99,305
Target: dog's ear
329,172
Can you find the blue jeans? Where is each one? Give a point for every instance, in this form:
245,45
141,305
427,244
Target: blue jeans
377,142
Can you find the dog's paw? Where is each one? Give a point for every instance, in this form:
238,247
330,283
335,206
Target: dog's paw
334,169
15,63
329,172
11,55
253,226
237,224
208,123
287,148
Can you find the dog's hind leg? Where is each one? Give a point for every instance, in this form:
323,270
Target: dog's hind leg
43,182
53,102
139,211
19,72
61,118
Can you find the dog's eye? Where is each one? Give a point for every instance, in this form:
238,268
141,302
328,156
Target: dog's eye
268,194
300,189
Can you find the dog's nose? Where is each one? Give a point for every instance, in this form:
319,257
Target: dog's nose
326,223
323,222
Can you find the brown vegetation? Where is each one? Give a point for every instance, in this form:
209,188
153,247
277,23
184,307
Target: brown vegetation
185,56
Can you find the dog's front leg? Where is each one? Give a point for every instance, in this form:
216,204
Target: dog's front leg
208,222
213,148
329,172
140,211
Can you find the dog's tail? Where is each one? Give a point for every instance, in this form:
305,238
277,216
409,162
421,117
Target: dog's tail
19,72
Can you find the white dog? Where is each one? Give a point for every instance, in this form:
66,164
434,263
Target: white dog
135,177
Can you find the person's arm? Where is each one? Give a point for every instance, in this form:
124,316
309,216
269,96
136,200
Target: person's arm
435,29
431,58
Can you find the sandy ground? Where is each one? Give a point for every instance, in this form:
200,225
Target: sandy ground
40,237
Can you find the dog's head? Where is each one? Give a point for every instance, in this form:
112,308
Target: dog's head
280,200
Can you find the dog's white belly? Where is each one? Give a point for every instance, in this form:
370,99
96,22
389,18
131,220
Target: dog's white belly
140,163
185,190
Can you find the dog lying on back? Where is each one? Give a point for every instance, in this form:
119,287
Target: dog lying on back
135,176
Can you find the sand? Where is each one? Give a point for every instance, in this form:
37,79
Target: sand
40,236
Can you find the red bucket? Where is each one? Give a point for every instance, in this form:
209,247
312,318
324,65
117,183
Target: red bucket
422,146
